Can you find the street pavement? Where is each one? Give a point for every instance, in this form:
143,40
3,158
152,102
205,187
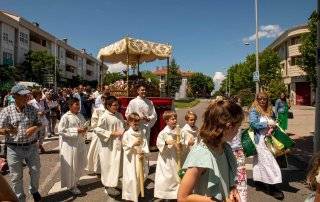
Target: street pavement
295,190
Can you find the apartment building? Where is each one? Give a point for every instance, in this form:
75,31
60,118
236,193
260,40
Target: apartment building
19,36
287,46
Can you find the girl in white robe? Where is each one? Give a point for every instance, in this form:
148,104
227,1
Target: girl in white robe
72,146
166,182
110,129
93,162
135,146
189,133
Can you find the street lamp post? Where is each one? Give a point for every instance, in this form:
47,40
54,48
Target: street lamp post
55,64
257,46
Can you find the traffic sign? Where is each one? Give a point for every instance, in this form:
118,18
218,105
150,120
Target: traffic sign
256,76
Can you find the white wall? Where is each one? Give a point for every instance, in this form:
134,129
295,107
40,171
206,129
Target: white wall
7,40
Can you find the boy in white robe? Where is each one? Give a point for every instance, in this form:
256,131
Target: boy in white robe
145,108
135,146
110,129
72,146
166,182
190,133
93,162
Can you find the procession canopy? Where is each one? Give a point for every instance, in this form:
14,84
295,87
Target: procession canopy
132,52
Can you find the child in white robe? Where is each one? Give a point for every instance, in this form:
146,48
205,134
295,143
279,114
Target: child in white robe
166,182
93,162
135,146
189,133
72,146
110,129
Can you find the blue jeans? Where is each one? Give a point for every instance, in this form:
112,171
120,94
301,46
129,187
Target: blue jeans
15,157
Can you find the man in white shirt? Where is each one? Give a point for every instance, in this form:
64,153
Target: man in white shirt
145,108
105,92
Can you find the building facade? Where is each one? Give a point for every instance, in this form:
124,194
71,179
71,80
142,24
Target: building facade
19,36
287,46
162,72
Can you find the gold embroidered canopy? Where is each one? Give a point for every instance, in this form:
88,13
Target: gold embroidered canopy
133,52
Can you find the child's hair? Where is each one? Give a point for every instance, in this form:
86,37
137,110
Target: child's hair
219,113
133,117
36,93
168,114
109,100
188,114
72,101
313,171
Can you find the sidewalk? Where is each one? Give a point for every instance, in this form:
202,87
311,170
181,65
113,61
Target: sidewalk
301,129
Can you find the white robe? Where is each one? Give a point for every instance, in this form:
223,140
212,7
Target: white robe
93,163
188,133
130,179
72,149
166,181
110,151
144,108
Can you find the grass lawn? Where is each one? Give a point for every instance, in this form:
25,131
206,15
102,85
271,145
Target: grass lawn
186,103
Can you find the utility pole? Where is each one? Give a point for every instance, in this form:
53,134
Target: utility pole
316,141
257,47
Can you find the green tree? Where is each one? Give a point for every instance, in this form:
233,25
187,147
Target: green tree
308,50
6,77
148,75
174,78
200,85
42,65
112,77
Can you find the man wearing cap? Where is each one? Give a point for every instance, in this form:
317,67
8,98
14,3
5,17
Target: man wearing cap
19,123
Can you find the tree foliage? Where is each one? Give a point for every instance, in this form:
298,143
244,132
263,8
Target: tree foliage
42,65
174,78
110,78
149,76
308,49
239,77
200,85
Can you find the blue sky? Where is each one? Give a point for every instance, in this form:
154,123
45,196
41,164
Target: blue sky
207,35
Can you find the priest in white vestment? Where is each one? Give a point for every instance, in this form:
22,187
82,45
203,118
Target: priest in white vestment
72,147
145,108
135,146
110,129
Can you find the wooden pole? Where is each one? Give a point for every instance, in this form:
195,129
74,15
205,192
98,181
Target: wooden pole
141,177
127,44
167,82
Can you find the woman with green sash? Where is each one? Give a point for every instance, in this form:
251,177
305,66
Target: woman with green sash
281,111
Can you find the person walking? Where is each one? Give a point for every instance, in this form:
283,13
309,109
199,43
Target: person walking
19,123
266,171
281,111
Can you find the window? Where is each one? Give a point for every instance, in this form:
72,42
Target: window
5,36
24,38
295,40
44,43
70,68
7,58
89,72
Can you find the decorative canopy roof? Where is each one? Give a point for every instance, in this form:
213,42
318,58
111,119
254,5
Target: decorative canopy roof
136,50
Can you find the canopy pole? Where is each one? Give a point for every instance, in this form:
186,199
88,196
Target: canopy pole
127,44
167,86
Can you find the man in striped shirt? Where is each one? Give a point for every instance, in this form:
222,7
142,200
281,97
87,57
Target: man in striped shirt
19,123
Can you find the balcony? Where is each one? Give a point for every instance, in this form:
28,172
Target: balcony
37,47
71,62
294,50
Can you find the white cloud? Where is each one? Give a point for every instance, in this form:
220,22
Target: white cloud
218,78
266,31
117,67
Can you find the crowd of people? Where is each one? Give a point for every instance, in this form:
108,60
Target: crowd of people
210,160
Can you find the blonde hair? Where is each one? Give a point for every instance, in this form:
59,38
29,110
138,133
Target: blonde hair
258,108
133,117
219,113
168,114
189,114
313,171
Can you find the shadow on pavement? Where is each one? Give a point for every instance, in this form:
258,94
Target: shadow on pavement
67,196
